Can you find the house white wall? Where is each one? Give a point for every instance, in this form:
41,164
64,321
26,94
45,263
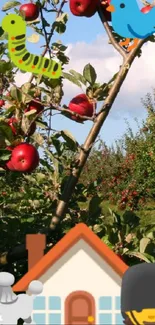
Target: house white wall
81,268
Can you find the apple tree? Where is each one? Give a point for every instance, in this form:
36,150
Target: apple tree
25,122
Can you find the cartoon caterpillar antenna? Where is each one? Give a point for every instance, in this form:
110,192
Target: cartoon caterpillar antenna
21,57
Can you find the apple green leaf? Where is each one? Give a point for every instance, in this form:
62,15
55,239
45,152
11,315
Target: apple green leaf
107,242
78,76
59,46
41,124
10,5
59,27
89,74
71,141
5,131
31,112
94,204
143,244
63,18
5,66
72,79
4,154
113,78
60,23
16,93
9,110
3,35
25,89
139,255
97,228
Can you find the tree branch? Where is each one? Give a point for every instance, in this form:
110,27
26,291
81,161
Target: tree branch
110,35
50,34
19,251
83,155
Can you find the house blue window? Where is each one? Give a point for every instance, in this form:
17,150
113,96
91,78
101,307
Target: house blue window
55,319
54,303
39,319
39,303
105,303
105,319
118,319
117,303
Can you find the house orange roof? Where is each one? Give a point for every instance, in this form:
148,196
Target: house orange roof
80,231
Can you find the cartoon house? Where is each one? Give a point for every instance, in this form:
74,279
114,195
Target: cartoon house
81,278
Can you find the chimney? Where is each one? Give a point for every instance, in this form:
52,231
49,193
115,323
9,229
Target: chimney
35,244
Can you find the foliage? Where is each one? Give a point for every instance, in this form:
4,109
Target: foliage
124,176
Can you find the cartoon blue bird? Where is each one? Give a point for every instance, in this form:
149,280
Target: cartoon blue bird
129,22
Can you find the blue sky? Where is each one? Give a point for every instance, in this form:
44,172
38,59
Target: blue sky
86,30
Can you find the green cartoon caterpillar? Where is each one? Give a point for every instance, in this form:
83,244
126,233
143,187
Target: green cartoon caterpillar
15,26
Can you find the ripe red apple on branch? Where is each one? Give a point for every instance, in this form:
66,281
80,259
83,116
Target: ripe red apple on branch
30,11
34,105
85,8
81,105
24,158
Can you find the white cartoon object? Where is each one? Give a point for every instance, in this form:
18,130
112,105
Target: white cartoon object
12,306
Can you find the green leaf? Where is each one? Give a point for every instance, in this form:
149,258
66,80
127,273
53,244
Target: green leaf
10,5
143,244
3,35
139,255
59,27
102,92
71,141
9,110
89,74
113,78
5,66
94,204
78,76
71,78
5,131
16,94
107,242
41,124
25,89
60,46
31,112
62,18
4,154
45,23
31,219
97,228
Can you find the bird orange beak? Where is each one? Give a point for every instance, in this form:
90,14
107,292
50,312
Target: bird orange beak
110,8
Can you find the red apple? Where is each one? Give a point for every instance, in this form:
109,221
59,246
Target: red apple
85,8
81,105
13,125
34,105
2,103
146,9
30,11
24,158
